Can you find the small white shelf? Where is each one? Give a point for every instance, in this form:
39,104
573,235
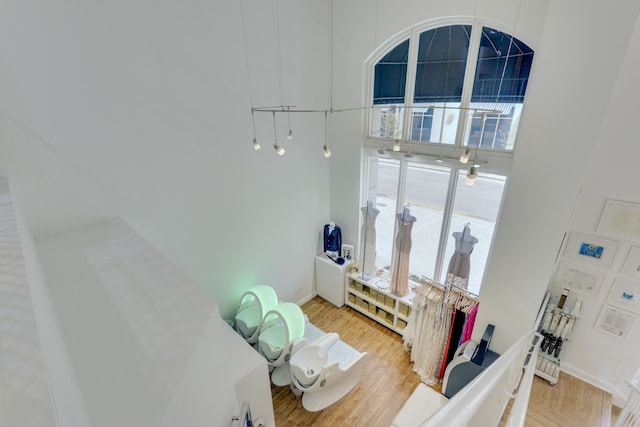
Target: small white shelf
373,298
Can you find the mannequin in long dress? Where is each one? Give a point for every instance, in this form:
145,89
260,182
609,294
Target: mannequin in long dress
369,239
460,263
400,267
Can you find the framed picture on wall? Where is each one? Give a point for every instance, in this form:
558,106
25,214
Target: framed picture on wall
615,321
625,294
591,250
578,279
620,220
631,266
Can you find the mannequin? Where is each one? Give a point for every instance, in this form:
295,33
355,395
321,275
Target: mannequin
460,263
400,267
369,239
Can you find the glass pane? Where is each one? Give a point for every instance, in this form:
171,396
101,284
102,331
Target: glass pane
442,59
390,77
502,75
436,122
478,206
386,121
426,194
383,189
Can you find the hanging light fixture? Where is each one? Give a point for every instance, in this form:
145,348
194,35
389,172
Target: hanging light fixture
473,170
396,145
290,134
471,176
280,150
256,144
325,149
464,158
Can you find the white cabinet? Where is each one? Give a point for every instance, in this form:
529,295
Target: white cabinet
373,299
330,279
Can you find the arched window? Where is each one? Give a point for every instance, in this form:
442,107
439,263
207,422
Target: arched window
428,91
427,87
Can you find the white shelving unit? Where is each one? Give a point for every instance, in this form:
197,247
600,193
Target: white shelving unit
374,299
548,365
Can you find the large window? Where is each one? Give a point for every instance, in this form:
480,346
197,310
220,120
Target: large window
424,188
430,92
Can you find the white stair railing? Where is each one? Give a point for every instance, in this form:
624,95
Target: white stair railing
483,401
630,414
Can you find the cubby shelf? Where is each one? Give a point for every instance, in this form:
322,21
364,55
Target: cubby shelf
372,298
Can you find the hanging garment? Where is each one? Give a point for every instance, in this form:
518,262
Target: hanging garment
369,238
425,332
400,267
430,326
457,324
468,324
332,238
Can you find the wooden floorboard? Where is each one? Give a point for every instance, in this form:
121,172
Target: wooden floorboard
389,380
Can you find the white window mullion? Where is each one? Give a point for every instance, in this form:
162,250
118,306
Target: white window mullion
467,85
446,224
409,90
402,186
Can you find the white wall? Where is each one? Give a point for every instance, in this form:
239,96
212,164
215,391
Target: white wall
147,346
142,110
611,174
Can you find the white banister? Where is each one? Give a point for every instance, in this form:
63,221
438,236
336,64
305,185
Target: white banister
630,414
483,400
518,411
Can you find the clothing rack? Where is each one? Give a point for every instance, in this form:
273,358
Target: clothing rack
460,298
441,319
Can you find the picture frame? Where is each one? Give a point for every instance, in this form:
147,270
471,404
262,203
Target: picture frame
620,220
591,250
614,321
347,252
625,294
579,279
631,267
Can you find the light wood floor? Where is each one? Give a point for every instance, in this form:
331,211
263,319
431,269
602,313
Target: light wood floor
388,382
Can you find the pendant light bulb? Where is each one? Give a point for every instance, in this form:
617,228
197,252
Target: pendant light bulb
471,176
290,135
256,144
325,149
464,158
396,145
279,149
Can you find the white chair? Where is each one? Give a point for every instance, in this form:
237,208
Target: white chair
254,304
281,327
325,371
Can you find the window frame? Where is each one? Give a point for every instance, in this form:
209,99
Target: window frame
497,162
445,231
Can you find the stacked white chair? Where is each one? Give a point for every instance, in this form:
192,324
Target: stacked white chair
254,304
281,328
